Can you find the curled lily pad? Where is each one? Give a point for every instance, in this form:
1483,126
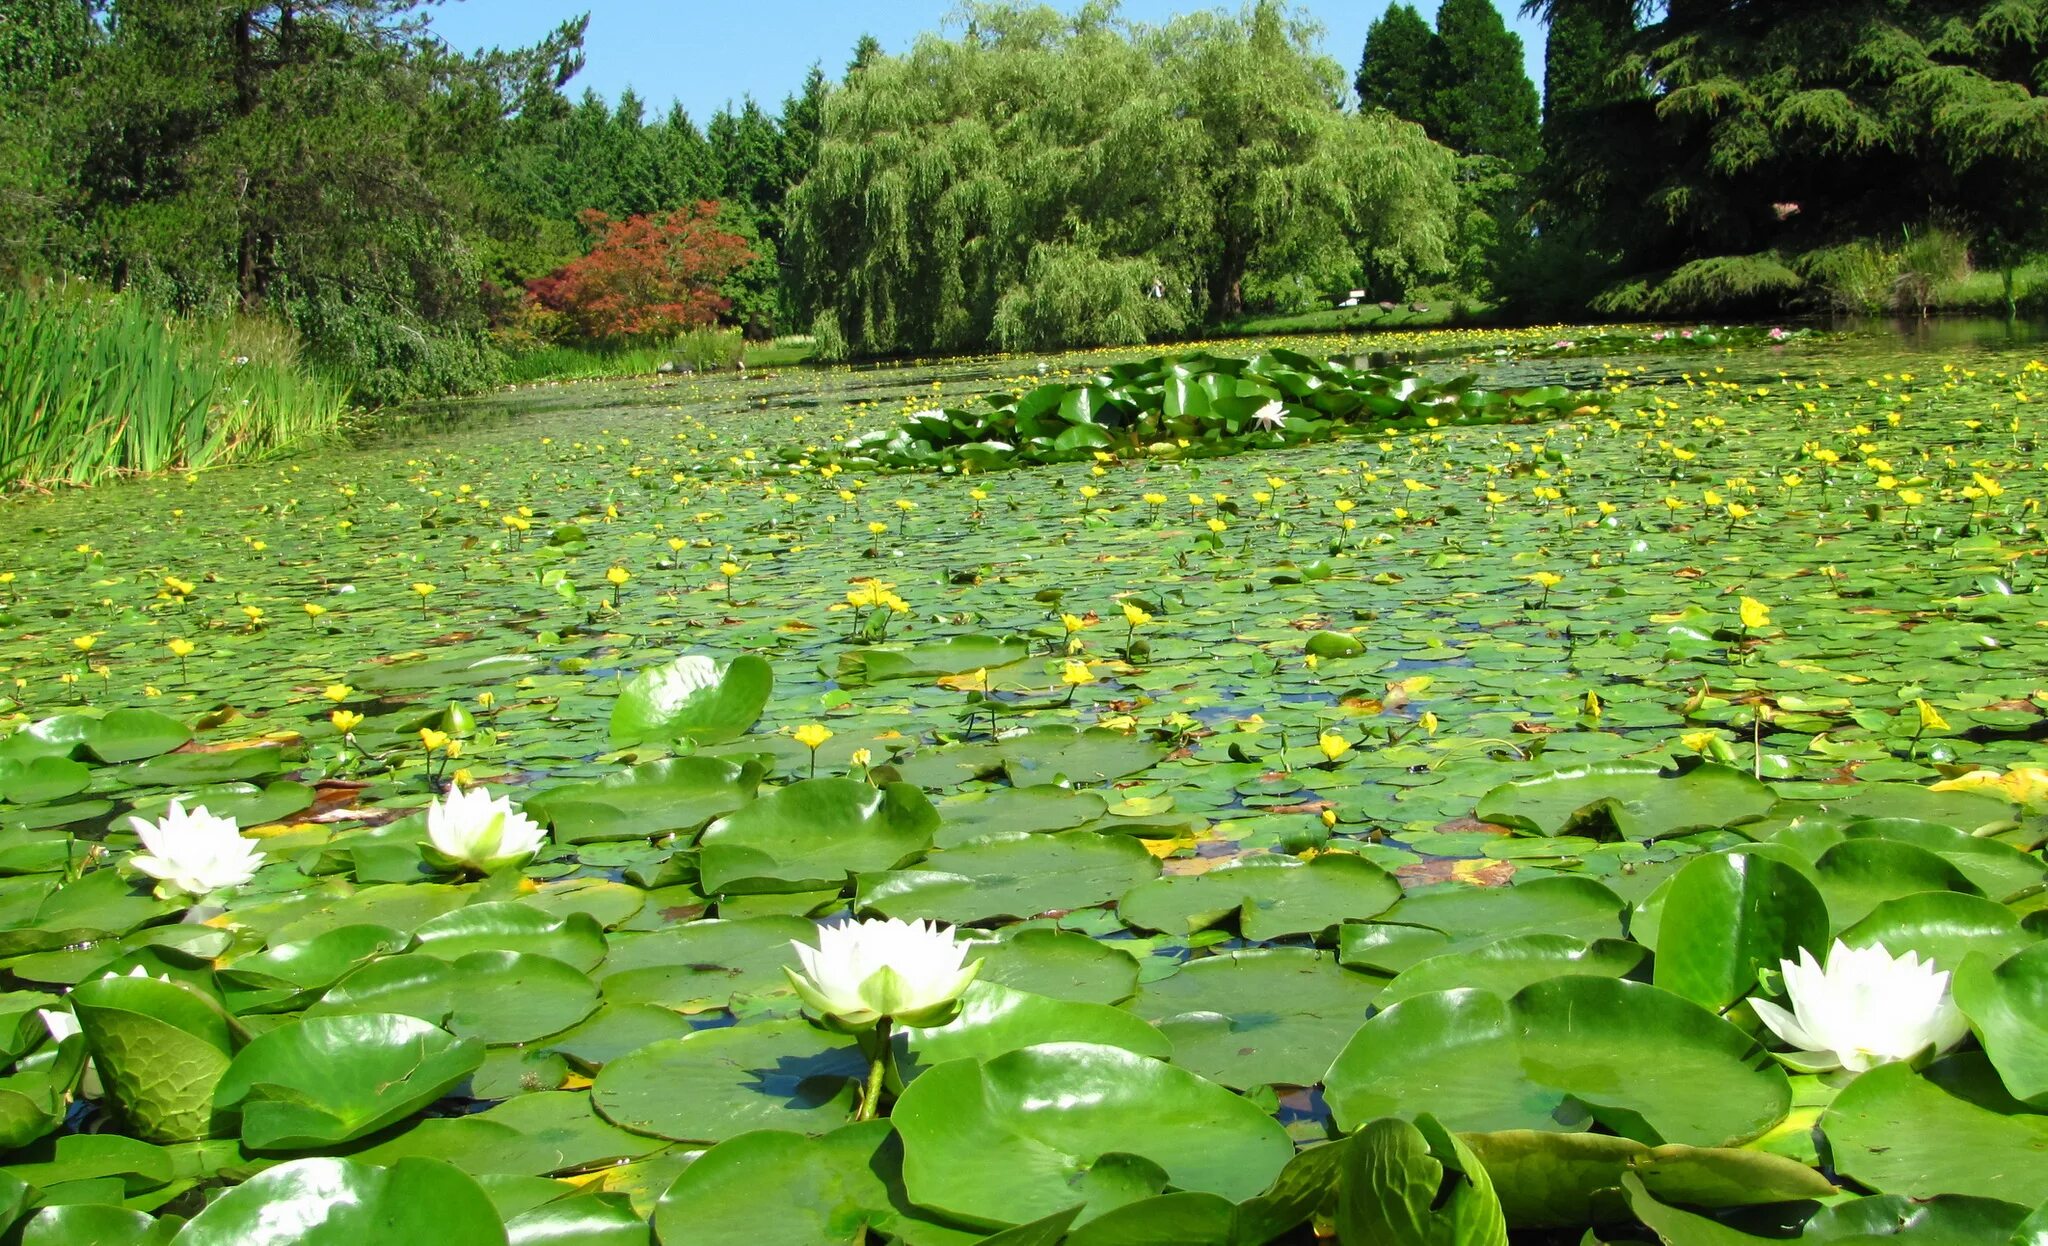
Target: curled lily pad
1028,1133
325,1080
693,696
160,1049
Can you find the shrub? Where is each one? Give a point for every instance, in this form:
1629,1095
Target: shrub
645,276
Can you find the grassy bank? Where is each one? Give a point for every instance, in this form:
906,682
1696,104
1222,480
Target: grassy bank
93,385
699,351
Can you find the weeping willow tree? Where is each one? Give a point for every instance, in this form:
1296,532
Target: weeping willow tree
1791,127
1043,179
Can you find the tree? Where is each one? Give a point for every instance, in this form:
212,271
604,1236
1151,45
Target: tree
866,52
1780,133
1481,102
1045,179
645,276
1399,57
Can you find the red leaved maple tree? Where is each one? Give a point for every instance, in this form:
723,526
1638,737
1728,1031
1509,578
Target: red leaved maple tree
645,276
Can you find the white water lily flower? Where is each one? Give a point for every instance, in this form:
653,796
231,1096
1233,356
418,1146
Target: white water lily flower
861,972
60,1024
476,831
1865,1009
1272,415
194,853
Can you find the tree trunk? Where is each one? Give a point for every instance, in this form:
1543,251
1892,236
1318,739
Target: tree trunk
1226,281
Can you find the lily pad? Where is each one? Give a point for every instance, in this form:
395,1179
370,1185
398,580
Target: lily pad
811,835
325,1080
693,696
1031,1132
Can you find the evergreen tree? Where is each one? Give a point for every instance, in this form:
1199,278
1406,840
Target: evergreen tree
1395,71
1481,102
865,53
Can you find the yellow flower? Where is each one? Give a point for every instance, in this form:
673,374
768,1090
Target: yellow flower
433,741
423,588
1332,745
1330,818
255,614
1074,623
1545,580
1344,505
861,758
1428,721
1090,492
1754,613
1592,704
345,721
180,647
1217,525
1133,615
486,699
1155,499
1930,718
811,735
337,692
1912,497
617,576
877,528
84,644
1076,673
1699,741
728,569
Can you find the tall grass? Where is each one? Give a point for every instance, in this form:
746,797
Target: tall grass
93,386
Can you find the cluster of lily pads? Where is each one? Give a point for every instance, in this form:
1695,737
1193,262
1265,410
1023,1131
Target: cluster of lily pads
615,828
1192,405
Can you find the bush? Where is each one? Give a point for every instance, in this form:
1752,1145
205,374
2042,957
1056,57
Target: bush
646,276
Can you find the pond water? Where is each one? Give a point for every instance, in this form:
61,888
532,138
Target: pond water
1435,687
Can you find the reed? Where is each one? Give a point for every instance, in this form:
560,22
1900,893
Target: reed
93,385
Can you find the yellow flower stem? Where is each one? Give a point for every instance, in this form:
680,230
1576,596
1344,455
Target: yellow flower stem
871,1099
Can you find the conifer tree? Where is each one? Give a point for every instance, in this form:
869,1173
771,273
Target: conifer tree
1394,73
1481,102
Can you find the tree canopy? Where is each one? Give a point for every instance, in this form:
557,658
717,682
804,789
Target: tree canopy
1040,179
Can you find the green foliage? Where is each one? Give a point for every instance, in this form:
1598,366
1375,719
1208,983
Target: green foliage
707,350
92,385
1202,155
1193,406
1394,72
1801,128
1481,101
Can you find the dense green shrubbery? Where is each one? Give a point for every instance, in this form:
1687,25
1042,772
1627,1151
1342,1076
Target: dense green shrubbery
92,385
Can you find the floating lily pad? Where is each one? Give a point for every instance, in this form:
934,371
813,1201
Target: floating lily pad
1637,801
1560,1055
1271,897
1023,1135
812,835
1255,1018
339,1202
718,1084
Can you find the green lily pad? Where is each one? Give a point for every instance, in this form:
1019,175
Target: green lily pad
1638,801
498,997
1274,1016
1563,1180
2007,1004
673,794
160,1049
339,1202
718,1084
692,696
508,926
1015,875
131,735
810,835
1272,897
1727,916
1505,966
1959,1134
956,655
1559,1055
1031,1132
995,1019
325,1080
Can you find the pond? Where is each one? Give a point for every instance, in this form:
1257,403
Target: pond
1470,773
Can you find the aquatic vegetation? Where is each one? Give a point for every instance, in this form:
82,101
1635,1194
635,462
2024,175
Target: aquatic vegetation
1399,848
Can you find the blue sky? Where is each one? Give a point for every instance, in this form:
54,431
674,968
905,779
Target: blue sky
706,52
